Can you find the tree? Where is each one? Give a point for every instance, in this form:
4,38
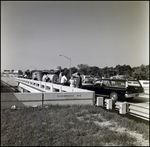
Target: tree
20,72
141,72
74,70
94,71
147,72
106,73
83,69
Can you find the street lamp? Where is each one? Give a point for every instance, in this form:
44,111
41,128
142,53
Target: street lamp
70,62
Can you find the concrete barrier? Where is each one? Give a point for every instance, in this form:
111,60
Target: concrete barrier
61,98
30,99
49,93
21,99
70,98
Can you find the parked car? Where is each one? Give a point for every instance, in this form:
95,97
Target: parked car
116,89
87,79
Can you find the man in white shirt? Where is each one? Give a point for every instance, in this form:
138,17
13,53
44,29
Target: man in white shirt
63,80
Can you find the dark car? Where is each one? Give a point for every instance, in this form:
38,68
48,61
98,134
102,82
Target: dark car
116,89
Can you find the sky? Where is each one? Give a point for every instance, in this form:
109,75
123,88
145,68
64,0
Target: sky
98,33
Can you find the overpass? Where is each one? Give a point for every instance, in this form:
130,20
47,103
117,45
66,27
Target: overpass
39,93
50,93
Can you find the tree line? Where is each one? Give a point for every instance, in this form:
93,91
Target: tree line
140,72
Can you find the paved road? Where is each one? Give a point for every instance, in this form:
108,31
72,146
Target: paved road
141,99
7,94
5,88
9,80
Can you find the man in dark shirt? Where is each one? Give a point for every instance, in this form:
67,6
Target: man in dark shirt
47,79
79,81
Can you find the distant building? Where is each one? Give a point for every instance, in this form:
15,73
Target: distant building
12,73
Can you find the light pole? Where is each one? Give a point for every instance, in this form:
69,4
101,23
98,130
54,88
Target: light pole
70,62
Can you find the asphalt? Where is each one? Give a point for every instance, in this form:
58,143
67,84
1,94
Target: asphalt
6,88
8,98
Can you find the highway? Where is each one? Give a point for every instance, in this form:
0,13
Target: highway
5,88
141,99
9,97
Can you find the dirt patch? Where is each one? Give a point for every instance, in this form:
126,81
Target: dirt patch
114,126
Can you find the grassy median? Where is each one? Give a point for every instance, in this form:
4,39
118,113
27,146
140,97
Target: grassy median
76,125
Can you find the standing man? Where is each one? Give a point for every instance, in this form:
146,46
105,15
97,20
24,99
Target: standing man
47,79
60,75
35,77
79,81
64,79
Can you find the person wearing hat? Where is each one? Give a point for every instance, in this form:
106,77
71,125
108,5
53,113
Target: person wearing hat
79,81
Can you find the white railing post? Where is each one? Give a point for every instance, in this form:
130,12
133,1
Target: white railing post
22,90
123,108
100,101
60,89
52,89
40,84
108,103
45,86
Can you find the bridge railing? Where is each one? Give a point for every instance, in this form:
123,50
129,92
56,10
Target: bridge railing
47,86
52,93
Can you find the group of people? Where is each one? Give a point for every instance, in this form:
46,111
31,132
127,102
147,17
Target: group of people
77,83
62,79
72,82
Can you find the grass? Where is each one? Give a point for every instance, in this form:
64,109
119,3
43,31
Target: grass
76,125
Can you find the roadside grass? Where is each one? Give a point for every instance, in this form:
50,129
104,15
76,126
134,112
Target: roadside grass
76,125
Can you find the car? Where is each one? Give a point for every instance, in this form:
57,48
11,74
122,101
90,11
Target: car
116,89
87,79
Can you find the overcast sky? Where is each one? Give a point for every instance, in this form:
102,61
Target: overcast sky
96,33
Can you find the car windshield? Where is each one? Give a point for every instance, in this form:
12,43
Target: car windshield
118,84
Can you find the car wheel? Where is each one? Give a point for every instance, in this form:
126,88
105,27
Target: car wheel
114,96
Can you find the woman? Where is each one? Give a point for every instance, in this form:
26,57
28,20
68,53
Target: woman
72,82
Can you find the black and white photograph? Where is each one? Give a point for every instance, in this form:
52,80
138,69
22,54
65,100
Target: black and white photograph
74,73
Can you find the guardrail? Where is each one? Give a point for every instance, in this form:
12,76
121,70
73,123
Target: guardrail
125,108
145,85
137,110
